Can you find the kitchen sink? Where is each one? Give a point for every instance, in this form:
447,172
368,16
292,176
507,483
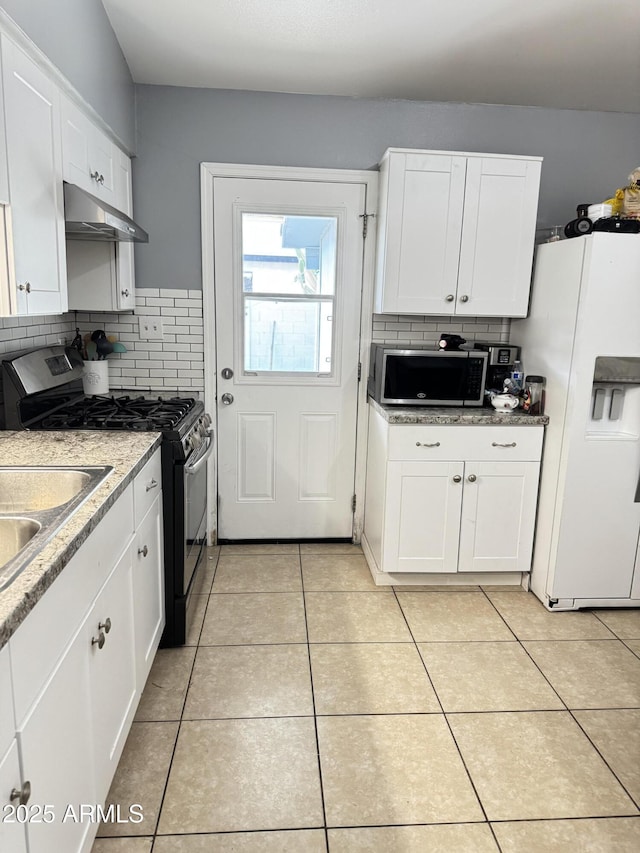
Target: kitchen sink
15,533
33,489
35,502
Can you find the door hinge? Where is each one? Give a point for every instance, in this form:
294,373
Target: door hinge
365,222
359,371
353,504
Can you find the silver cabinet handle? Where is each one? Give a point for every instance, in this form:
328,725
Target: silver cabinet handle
106,625
21,795
124,292
144,551
457,478
472,478
26,286
497,444
100,641
464,298
449,298
227,399
152,485
435,444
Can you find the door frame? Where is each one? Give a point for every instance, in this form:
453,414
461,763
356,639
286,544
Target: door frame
210,171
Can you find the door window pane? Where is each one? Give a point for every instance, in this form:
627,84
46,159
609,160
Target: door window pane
287,335
288,291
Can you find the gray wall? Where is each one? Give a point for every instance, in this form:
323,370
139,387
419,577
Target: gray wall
587,154
77,37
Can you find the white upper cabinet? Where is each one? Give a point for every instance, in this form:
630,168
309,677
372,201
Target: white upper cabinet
456,233
100,274
36,225
90,159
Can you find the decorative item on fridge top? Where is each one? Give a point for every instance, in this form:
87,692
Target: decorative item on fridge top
98,345
626,200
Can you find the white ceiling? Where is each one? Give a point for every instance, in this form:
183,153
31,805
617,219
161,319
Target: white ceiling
571,54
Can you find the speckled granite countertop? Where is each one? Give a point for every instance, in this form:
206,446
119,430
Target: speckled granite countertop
447,416
127,452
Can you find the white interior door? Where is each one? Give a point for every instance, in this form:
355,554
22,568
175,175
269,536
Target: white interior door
288,278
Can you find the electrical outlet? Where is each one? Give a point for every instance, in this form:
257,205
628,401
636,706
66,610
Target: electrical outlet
151,329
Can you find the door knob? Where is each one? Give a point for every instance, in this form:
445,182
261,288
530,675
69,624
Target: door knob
227,399
226,373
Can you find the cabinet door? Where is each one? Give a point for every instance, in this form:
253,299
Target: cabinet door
422,516
35,184
56,746
498,516
108,639
148,589
88,156
500,207
422,225
12,833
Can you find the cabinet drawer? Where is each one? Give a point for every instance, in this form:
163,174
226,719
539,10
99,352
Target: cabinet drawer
147,487
481,443
41,639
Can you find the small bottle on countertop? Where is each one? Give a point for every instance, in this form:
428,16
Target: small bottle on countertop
517,377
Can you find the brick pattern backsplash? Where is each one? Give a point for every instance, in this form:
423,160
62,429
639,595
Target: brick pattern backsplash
174,364
424,330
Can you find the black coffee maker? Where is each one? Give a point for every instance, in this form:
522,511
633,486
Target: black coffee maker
499,363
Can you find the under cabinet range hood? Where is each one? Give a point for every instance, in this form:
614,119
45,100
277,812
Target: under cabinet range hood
90,218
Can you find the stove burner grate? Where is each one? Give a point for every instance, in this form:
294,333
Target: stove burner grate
126,413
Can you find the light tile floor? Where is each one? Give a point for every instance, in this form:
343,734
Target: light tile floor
313,711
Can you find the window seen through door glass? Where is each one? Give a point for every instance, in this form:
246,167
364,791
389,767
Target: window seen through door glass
288,291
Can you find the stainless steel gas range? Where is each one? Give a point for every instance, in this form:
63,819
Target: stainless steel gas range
42,390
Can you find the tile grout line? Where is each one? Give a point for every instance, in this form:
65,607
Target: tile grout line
313,701
566,707
175,745
444,716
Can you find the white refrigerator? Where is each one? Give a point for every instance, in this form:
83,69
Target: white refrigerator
583,334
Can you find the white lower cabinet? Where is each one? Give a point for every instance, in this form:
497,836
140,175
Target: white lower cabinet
78,665
12,829
56,748
109,642
470,509
148,588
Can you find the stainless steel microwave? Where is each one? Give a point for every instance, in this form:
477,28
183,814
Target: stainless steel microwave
426,377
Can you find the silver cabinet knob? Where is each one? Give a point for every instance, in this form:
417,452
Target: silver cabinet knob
21,795
106,625
457,478
226,373
100,641
472,478
144,551
227,399
449,298
124,292
464,298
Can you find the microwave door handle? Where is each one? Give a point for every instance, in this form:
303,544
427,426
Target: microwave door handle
196,466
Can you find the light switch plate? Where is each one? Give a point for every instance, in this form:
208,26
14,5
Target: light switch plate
151,329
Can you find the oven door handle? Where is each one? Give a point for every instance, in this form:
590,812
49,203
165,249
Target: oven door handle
194,467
